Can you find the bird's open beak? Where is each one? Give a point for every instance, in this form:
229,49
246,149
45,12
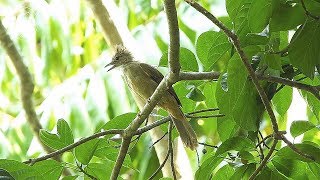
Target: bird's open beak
110,64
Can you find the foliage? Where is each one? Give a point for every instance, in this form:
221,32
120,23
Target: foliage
76,97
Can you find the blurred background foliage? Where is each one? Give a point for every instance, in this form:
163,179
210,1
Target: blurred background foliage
65,51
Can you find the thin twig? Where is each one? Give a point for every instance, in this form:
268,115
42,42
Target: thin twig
170,148
315,90
295,149
308,13
207,116
265,160
71,146
204,144
158,140
160,167
202,110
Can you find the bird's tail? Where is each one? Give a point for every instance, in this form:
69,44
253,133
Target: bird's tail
187,134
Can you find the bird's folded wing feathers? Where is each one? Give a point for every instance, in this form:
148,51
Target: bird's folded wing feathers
157,77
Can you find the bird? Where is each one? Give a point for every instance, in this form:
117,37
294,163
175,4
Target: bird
142,80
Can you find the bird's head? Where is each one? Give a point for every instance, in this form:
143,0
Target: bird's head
121,57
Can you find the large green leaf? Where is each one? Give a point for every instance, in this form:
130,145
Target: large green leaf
291,168
19,170
211,46
282,100
120,122
244,171
304,50
244,105
63,138
299,127
259,14
311,150
85,151
224,173
287,17
207,166
188,60
49,169
235,143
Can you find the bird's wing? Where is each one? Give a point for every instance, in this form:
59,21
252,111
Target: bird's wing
157,77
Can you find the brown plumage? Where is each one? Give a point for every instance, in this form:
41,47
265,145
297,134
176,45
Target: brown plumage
142,80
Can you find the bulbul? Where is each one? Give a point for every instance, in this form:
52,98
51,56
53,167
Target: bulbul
142,80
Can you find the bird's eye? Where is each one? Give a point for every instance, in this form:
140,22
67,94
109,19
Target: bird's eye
117,58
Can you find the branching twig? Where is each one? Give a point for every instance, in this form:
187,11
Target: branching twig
171,78
265,160
71,146
298,151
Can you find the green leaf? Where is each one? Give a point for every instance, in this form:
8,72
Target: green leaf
282,100
255,39
207,166
63,138
287,17
244,172
224,173
268,173
259,14
120,122
288,153
195,94
49,169
291,168
85,151
243,96
299,127
188,60
235,143
19,170
238,11
211,46
105,150
100,170
304,50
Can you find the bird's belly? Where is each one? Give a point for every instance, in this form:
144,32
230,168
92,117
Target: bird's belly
140,84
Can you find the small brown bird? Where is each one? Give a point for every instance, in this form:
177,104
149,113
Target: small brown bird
142,80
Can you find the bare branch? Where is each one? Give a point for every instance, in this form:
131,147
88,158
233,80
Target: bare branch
166,82
170,150
174,45
199,75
